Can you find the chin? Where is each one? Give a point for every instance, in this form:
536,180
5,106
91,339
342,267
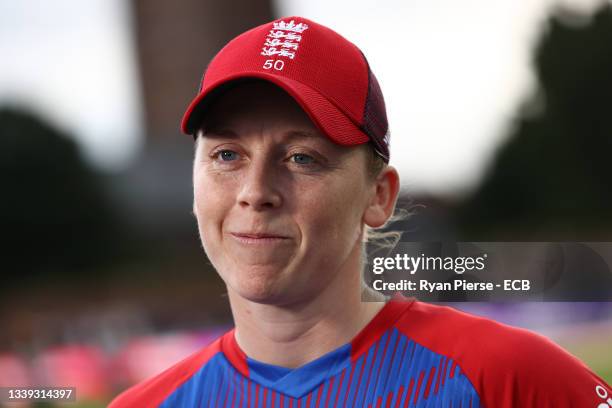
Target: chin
259,286
265,295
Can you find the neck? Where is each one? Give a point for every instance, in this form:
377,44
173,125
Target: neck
291,335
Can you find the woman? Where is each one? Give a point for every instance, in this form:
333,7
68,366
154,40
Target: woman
289,172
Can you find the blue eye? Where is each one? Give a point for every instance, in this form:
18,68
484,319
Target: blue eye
227,155
301,158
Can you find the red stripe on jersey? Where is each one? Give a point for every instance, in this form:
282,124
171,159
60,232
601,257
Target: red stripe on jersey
234,353
256,394
217,399
242,393
444,371
348,384
329,391
318,403
412,353
367,385
389,399
418,388
395,349
378,325
409,392
453,369
226,396
248,400
399,396
383,357
339,387
429,381
235,382
440,365
359,379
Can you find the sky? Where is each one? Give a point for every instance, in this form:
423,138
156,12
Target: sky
73,62
453,74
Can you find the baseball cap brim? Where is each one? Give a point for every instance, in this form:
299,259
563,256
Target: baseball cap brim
328,118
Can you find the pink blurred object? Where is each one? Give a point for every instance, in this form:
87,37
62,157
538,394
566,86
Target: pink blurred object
14,371
145,357
80,366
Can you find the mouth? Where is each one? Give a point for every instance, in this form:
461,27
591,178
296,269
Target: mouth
258,238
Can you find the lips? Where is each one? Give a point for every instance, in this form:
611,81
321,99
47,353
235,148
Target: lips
258,237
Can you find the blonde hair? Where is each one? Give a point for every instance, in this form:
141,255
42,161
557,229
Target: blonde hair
383,240
377,236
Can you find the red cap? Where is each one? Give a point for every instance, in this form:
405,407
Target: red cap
327,75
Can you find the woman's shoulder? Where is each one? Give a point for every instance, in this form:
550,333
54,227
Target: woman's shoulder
508,366
449,329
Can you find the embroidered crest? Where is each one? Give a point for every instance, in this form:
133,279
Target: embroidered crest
283,40
290,26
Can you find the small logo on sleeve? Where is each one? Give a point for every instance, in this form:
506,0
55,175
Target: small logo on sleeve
603,394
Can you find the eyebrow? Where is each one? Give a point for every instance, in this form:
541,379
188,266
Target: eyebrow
301,134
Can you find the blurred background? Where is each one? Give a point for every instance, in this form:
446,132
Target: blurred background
501,130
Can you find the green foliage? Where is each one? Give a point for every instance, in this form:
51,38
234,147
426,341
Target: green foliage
552,178
53,213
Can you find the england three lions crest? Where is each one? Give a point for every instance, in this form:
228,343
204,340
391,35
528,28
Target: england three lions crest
283,40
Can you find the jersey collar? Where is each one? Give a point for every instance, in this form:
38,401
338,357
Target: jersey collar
299,381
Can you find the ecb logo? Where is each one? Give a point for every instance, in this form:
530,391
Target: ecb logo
603,394
282,41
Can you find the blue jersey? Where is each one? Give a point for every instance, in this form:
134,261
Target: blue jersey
412,354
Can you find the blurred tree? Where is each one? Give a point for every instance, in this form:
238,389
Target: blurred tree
53,214
552,180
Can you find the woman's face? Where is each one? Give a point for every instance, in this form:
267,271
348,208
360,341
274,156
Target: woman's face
280,207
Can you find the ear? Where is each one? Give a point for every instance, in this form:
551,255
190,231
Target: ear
382,203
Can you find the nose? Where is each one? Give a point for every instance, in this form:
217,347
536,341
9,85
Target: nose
259,189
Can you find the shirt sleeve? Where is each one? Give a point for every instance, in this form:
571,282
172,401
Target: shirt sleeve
528,370
508,367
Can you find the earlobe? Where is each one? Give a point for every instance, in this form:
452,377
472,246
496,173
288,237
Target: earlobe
383,201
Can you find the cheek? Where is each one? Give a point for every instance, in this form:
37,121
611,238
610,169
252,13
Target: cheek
334,215
211,202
